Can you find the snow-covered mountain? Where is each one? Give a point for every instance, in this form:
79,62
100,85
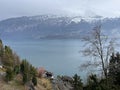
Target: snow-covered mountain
54,27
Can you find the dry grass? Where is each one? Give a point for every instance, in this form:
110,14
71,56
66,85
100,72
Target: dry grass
16,84
2,69
44,84
13,85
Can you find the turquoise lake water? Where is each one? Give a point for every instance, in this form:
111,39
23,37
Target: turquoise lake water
62,57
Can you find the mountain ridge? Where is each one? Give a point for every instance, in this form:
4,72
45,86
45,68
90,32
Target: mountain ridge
53,27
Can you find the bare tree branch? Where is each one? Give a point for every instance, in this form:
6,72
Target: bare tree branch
98,45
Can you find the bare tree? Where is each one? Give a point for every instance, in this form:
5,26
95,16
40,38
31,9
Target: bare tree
99,46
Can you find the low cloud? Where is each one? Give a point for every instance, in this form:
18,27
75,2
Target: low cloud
106,8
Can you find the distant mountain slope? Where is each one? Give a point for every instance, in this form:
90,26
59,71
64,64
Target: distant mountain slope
53,27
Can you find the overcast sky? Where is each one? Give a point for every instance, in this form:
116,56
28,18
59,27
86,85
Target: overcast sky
15,8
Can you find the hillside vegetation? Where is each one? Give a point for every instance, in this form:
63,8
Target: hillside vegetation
16,74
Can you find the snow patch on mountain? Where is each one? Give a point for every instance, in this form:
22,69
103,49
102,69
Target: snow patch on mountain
86,19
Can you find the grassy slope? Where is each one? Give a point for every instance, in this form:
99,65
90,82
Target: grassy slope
44,84
16,84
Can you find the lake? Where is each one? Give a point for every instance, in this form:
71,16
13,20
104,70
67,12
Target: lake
62,57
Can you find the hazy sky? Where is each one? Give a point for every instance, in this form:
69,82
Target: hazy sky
15,8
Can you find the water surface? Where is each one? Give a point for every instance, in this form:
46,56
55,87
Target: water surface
61,57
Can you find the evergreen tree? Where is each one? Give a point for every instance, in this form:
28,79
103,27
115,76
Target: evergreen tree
28,71
94,84
34,80
114,68
25,78
1,49
77,82
17,69
9,74
25,71
8,59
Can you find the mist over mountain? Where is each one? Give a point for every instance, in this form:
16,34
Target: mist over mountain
55,27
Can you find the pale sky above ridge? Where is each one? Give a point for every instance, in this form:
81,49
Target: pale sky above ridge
86,8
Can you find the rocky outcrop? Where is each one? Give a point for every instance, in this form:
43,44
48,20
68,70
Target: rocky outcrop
62,83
